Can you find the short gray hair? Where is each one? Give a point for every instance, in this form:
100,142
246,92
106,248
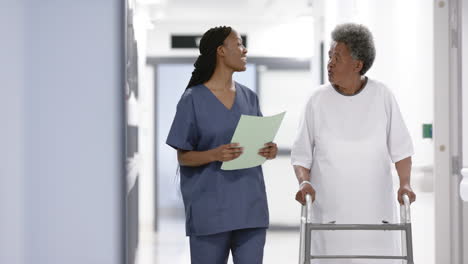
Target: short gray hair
359,41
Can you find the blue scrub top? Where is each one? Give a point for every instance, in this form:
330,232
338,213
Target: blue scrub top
216,200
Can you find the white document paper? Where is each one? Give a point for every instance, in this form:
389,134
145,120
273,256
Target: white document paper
252,133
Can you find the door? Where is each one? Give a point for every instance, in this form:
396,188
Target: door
450,131
464,128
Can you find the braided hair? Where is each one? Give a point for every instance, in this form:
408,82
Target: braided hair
206,62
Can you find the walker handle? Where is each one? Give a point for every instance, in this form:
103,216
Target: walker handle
405,210
306,218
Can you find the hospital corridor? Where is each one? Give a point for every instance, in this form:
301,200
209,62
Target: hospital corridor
116,136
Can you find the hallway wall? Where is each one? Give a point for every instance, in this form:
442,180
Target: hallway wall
61,176
11,112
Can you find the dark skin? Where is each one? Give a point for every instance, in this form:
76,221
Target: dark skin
231,57
344,75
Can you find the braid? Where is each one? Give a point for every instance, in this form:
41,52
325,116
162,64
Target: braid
206,62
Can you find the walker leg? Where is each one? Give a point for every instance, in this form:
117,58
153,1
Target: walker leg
409,244
307,244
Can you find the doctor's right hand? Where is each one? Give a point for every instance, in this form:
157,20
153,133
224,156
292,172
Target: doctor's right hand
301,194
227,152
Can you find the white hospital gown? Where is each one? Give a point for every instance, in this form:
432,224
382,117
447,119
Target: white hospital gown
349,143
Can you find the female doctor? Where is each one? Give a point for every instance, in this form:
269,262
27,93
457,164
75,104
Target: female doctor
225,210
351,131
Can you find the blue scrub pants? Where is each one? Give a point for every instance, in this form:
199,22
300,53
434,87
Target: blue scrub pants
246,246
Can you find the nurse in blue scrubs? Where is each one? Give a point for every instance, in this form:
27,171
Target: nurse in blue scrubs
226,211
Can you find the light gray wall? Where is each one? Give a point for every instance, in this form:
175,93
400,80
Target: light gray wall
11,90
63,106
171,82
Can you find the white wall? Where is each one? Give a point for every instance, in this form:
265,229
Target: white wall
264,38
284,91
63,141
145,120
11,117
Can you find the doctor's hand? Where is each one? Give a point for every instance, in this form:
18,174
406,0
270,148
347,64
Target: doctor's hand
301,194
406,189
227,152
269,151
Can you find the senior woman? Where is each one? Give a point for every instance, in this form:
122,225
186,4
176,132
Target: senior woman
350,133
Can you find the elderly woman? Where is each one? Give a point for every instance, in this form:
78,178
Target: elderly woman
351,131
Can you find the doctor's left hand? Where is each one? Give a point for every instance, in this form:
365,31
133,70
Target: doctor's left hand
269,151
